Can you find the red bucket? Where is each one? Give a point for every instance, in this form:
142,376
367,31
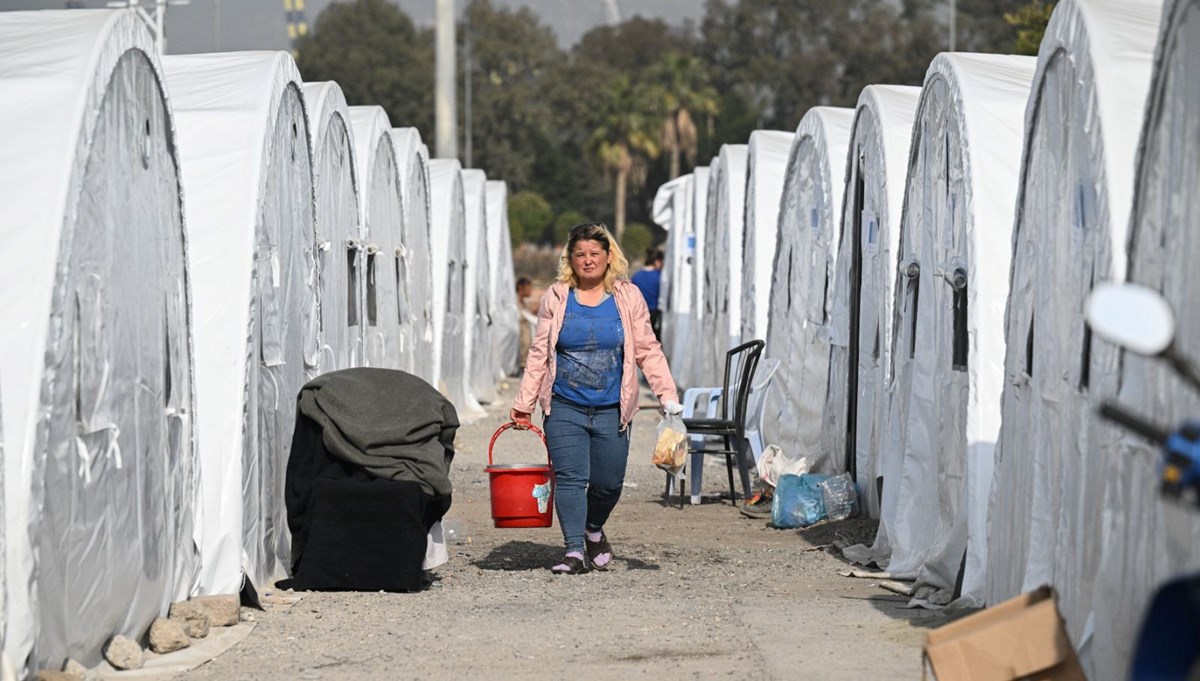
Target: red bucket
522,493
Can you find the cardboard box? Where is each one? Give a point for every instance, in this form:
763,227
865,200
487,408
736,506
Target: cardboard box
1021,638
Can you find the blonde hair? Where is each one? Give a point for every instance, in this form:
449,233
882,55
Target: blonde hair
618,265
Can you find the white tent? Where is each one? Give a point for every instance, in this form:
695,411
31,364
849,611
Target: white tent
690,368
477,339
864,275
412,159
802,280
339,271
766,163
721,315
1076,188
247,177
388,340
948,340
672,210
448,245
1147,540
99,468
505,318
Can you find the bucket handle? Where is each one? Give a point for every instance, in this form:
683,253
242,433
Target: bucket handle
509,425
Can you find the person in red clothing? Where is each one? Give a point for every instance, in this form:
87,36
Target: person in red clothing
593,334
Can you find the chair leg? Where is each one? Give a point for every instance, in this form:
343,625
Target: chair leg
729,469
743,452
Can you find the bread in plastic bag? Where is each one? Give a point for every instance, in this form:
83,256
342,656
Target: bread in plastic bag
670,449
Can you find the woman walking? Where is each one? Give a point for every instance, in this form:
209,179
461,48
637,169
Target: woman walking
593,333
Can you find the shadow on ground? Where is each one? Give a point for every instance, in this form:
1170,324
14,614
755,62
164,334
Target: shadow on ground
519,555
829,536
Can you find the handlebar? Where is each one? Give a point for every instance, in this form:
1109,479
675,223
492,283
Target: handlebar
1127,419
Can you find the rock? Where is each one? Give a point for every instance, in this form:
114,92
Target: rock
195,627
123,653
48,675
167,636
74,667
222,611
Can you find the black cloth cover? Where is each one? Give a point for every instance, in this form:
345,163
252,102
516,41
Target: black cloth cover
352,530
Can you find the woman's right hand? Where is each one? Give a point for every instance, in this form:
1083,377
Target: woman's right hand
519,418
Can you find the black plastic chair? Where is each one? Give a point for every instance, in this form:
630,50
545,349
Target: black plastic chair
740,364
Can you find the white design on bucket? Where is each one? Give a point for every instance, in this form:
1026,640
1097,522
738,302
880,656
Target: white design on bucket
542,494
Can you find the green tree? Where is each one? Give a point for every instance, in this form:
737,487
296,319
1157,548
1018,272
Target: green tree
778,58
637,240
377,56
624,139
682,85
510,52
1030,21
528,216
633,45
563,222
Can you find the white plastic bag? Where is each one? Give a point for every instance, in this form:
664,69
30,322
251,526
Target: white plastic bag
774,463
671,447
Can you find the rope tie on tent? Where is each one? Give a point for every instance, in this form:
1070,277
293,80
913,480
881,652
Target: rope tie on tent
323,245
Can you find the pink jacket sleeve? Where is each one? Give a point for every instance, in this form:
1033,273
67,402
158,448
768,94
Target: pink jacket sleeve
649,354
537,362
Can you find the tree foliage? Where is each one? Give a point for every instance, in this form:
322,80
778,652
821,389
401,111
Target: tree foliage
1030,21
589,133
377,56
528,216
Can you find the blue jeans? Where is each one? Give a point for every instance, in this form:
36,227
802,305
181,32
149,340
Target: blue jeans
588,451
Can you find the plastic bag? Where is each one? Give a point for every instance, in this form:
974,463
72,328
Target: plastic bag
773,463
840,496
799,500
670,449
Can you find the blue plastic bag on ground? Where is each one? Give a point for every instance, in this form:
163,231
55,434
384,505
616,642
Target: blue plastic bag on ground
799,500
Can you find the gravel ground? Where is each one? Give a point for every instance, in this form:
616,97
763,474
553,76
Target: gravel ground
697,592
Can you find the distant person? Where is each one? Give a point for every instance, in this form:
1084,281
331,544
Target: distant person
593,335
649,281
526,321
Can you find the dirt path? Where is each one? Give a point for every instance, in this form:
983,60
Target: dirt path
698,592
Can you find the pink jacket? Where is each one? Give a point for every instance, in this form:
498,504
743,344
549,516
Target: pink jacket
641,350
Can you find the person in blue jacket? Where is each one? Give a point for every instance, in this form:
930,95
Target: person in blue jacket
649,280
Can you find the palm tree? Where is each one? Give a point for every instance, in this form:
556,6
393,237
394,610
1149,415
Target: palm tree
624,139
683,89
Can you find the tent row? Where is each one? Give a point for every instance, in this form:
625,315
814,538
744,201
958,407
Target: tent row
930,253
188,240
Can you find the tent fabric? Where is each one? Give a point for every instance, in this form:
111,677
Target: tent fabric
691,365
721,316
412,160
801,283
766,163
948,342
870,224
1072,214
388,340
672,210
247,175
339,272
477,340
448,245
96,367
1145,539
503,299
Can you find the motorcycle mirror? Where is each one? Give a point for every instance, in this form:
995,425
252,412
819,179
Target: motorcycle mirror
1133,316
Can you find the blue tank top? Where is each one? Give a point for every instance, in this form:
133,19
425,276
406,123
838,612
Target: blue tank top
590,353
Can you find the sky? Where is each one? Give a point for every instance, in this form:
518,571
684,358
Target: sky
233,25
